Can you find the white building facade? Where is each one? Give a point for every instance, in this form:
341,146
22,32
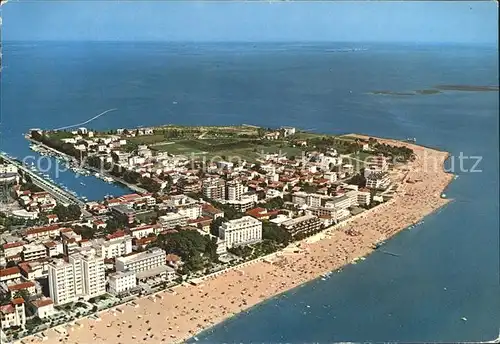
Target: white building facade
243,231
142,261
121,281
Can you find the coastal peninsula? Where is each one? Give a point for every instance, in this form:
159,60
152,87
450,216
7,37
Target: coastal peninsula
304,205
438,89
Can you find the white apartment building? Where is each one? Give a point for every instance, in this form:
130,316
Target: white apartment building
246,202
43,307
363,197
378,181
94,275
122,281
214,188
13,248
191,211
371,170
185,205
303,224
8,169
172,220
331,176
273,193
65,284
113,247
54,248
380,162
313,200
353,196
336,214
243,231
13,314
142,261
83,276
299,198
144,231
235,190
340,202
33,252
350,187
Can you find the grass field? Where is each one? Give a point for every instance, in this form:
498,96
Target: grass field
147,139
230,149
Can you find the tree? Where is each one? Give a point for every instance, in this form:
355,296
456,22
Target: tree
214,226
150,185
113,223
241,251
86,232
274,203
358,179
275,233
23,293
131,177
70,213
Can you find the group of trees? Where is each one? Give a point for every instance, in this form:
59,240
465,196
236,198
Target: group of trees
397,153
196,250
57,144
358,179
273,232
67,213
343,146
274,203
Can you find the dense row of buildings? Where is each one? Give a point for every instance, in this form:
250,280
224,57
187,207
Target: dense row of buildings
73,268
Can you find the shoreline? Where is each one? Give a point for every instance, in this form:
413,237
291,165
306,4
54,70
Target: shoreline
194,309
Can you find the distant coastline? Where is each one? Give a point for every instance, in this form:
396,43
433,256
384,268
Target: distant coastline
438,89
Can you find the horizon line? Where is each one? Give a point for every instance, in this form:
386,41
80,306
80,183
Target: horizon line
3,41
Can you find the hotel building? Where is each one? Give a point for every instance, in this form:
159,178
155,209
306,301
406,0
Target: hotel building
117,244
142,261
303,224
243,231
122,281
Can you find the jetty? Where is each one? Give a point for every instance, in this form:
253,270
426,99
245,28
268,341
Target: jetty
390,253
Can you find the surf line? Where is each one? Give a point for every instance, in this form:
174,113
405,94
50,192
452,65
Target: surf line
87,121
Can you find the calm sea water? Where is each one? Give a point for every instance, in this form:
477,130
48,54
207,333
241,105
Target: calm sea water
449,266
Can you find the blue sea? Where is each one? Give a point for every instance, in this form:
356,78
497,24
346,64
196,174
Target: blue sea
448,266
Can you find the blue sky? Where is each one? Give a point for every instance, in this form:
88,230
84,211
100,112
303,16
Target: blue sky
433,22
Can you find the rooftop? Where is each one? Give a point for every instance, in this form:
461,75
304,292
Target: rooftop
154,272
9,271
298,220
42,302
141,255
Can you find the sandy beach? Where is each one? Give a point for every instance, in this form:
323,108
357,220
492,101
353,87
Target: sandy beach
175,317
